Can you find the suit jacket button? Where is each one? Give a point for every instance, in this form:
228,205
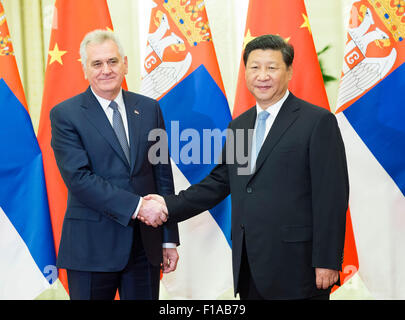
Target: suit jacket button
242,227
249,190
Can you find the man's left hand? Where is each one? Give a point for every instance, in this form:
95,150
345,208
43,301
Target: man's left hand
170,258
326,277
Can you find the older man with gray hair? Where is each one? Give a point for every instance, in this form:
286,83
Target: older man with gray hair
99,139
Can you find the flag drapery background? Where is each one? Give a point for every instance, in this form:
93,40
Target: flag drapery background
27,262
64,78
30,23
289,19
371,116
182,72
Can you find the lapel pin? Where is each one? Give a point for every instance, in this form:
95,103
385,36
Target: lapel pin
136,111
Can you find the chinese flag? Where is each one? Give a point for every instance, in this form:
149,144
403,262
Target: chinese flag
289,19
64,78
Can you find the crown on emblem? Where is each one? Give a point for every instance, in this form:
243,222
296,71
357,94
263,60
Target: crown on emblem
190,18
391,13
5,44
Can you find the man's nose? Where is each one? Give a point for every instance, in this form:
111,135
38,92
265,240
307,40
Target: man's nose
263,74
106,68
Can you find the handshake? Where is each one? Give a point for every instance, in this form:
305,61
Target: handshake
153,211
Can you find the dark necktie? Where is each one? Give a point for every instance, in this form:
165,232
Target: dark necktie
118,127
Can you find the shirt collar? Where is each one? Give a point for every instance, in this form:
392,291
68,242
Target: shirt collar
105,103
274,108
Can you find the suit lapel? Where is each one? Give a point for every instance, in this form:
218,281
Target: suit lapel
96,115
285,118
134,117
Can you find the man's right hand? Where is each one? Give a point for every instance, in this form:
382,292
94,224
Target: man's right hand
152,213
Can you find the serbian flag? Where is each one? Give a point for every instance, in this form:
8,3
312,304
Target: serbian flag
181,71
27,253
371,116
289,19
64,78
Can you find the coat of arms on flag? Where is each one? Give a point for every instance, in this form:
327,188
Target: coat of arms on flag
182,72
5,43
178,27
370,115
375,27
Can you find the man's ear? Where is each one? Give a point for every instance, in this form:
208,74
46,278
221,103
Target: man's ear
126,64
290,72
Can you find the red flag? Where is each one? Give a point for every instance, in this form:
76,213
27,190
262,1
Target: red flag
8,64
289,19
64,78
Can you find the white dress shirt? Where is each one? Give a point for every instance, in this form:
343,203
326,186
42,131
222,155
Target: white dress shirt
273,110
109,113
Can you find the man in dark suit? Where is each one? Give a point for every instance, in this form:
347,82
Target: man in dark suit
289,210
100,142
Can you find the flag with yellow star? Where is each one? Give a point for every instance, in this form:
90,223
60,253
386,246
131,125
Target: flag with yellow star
289,19
64,78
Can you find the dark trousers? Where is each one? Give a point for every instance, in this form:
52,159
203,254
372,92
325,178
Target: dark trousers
246,285
139,280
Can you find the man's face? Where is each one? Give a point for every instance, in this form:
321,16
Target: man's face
267,76
105,69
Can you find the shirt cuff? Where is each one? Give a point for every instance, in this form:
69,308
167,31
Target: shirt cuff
137,208
169,245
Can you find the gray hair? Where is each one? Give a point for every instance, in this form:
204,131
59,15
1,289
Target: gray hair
98,37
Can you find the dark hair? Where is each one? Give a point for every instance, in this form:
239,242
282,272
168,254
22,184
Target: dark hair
272,42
